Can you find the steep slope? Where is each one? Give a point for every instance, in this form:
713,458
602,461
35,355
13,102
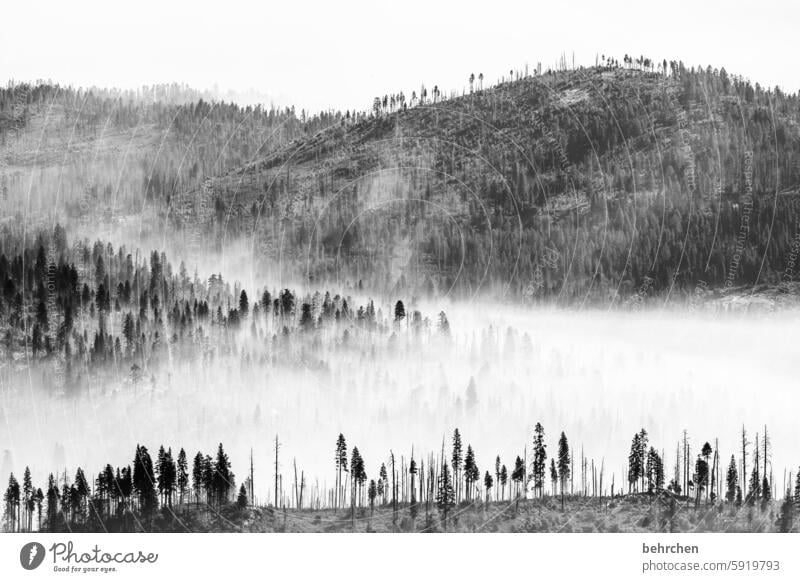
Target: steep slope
594,184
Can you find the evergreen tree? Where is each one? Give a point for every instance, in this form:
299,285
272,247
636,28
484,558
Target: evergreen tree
27,498
797,490
341,465
399,311
445,496
457,459
11,499
518,475
183,475
539,464
634,464
563,464
144,481
786,516
244,304
372,493
700,477
732,481
198,471
471,472
241,500
223,480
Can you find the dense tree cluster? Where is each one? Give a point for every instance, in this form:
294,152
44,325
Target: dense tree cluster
92,308
118,499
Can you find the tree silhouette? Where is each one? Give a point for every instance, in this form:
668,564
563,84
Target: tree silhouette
445,495
182,476
563,464
11,499
732,481
457,459
144,481
241,499
539,464
340,461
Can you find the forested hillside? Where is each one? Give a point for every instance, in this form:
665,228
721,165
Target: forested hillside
104,157
609,184
600,184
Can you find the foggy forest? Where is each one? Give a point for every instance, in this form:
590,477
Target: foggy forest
564,300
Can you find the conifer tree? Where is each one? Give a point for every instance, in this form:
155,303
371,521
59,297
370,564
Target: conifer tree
144,481
445,496
372,493
732,481
11,499
341,465
488,482
183,475
563,464
457,459
785,519
471,473
241,499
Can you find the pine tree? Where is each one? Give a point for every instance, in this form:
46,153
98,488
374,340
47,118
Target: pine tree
198,471
488,482
457,460
706,453
766,494
382,481
11,498
634,464
340,461
358,476
797,490
445,496
144,481
372,493
563,464
471,473
244,304
700,477
183,475
241,500
786,517
399,311
539,464
52,502
223,479
27,498
732,481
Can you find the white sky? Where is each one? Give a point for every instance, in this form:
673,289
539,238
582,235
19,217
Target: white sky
340,53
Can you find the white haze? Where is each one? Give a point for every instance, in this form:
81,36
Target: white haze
598,376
